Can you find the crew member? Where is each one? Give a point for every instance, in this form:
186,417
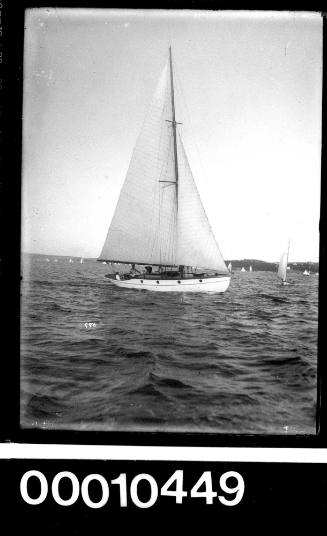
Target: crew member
134,271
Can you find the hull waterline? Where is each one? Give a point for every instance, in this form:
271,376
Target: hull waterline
212,284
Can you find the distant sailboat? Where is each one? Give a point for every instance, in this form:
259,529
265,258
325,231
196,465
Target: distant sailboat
243,269
71,260
282,268
56,260
250,269
230,267
47,260
81,261
306,272
159,221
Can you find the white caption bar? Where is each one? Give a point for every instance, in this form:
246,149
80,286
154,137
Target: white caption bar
130,452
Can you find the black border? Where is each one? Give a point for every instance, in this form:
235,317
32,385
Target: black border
11,46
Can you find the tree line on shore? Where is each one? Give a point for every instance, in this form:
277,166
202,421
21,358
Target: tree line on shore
258,265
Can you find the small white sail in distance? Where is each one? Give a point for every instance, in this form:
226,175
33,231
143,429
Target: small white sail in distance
282,268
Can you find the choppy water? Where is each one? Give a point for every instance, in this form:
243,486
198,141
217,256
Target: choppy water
244,361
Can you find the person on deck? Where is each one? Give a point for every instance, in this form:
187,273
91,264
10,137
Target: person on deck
134,271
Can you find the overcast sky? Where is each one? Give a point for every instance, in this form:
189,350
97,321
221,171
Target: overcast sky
249,97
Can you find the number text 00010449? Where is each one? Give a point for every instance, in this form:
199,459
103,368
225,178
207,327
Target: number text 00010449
203,489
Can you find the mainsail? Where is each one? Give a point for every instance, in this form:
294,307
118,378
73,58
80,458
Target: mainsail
282,268
159,218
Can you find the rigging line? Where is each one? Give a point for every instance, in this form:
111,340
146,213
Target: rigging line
189,171
168,228
160,229
163,221
155,219
164,162
189,122
174,236
167,225
173,121
156,190
166,206
146,117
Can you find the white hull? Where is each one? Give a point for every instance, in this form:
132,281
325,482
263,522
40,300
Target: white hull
212,284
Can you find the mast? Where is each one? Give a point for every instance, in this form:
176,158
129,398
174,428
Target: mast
288,250
174,122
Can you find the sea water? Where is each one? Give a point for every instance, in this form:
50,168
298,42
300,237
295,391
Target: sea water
98,357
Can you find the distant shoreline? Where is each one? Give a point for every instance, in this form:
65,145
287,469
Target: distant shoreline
257,265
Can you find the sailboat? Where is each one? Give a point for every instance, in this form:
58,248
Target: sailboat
243,269
250,269
159,226
306,272
81,261
282,268
230,267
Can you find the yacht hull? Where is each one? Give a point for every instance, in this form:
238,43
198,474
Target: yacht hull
210,284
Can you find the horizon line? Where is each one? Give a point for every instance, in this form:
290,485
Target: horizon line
226,260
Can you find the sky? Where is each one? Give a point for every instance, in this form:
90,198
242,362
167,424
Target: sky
248,92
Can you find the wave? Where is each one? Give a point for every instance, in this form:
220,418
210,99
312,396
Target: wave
57,307
43,406
148,390
245,360
274,299
168,382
